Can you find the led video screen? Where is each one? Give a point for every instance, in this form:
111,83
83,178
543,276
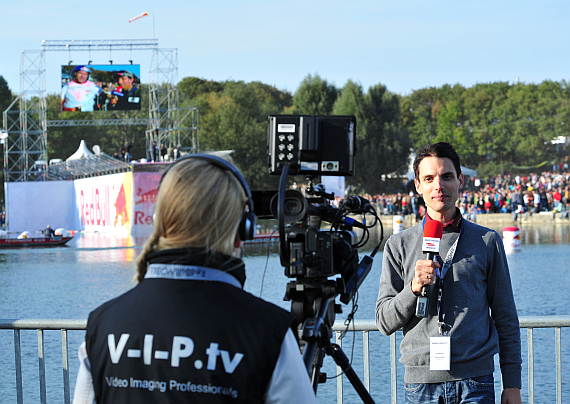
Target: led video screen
88,88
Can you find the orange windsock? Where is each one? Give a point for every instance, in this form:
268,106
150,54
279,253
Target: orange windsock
139,16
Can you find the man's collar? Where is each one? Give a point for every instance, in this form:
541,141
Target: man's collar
454,226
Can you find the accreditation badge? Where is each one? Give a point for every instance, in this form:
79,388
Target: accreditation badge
440,353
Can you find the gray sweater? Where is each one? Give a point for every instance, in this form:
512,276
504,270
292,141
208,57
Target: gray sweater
478,304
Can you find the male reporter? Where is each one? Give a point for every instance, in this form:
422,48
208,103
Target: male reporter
471,316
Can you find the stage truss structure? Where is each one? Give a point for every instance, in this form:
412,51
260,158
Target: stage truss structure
173,119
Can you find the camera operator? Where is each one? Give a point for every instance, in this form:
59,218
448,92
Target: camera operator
188,332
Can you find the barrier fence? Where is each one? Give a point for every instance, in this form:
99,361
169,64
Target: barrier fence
363,326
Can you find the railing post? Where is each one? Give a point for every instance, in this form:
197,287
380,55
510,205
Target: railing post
339,395
366,354
18,358
65,355
558,366
529,338
42,366
393,373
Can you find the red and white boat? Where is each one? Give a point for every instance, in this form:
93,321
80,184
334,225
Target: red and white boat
33,242
27,240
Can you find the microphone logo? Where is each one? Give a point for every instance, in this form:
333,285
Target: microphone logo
430,244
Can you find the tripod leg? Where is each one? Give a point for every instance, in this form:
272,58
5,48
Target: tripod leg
342,361
315,371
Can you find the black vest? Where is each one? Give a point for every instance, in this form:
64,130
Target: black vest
175,341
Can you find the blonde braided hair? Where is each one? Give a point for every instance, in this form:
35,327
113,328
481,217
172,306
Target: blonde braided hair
198,205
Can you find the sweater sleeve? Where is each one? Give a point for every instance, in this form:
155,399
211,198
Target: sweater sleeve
396,302
504,314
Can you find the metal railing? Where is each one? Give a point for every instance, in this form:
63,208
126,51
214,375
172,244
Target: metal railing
41,326
364,326
530,323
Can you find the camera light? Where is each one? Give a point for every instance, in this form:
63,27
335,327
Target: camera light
290,138
290,156
281,146
290,146
281,138
280,156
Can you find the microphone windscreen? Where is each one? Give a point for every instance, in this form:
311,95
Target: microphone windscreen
433,229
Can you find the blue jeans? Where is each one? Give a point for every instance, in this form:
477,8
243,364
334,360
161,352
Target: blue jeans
479,390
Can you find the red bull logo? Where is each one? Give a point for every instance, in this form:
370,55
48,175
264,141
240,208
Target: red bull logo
121,208
94,206
149,196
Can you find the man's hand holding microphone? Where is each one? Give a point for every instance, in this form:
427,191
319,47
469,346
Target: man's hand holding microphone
426,269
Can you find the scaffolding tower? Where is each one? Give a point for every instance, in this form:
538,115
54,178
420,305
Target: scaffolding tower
25,136
173,119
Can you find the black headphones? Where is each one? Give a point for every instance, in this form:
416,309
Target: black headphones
247,224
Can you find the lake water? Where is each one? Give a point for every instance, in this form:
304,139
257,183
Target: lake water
68,282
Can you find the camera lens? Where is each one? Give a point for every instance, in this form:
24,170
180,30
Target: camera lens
292,207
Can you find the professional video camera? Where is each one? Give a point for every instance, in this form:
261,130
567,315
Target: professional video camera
323,261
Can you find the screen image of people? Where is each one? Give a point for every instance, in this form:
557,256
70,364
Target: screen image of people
89,88
80,93
123,93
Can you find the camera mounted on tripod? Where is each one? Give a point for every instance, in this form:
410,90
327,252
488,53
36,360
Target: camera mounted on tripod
323,261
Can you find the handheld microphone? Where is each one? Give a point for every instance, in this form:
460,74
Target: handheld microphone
433,231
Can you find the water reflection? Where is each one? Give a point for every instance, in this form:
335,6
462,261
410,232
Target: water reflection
535,233
530,234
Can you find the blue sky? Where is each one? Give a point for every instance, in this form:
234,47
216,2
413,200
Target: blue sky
405,45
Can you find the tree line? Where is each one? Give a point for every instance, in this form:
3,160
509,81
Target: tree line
495,127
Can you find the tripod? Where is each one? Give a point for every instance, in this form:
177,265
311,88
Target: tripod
313,256
317,332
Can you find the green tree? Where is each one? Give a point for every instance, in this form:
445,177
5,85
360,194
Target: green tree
386,148
194,86
6,97
493,126
314,96
382,144
236,119
482,120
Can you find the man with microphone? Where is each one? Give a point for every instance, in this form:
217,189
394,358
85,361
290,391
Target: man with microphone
455,305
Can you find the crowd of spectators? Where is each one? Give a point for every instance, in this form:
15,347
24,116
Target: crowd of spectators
159,153
521,195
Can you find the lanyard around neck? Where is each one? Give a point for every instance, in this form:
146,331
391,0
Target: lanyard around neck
189,272
443,328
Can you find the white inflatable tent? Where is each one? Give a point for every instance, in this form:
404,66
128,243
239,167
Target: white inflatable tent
81,152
